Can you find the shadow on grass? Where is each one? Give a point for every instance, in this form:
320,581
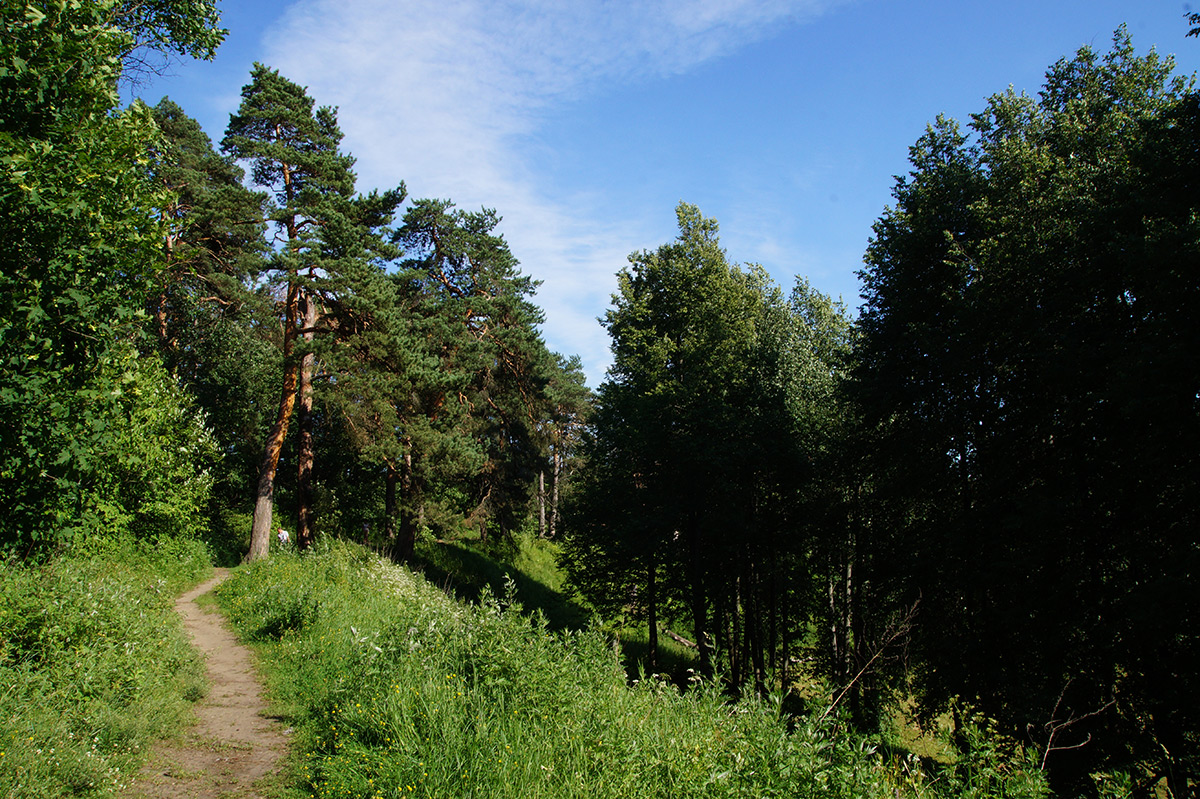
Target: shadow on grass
674,660
464,571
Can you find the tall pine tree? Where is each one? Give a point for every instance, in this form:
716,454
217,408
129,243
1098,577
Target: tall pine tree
327,238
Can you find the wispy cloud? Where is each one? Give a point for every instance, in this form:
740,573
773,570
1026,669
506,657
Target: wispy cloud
448,95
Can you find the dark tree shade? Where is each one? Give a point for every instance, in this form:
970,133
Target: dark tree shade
1028,369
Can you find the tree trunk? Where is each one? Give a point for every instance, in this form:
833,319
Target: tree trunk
698,599
860,712
260,531
304,422
541,500
557,461
753,615
389,508
784,647
835,648
652,613
408,511
773,619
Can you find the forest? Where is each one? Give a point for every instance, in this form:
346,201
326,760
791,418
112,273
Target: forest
968,503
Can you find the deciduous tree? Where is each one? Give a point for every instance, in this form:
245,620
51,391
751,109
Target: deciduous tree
82,245
1026,372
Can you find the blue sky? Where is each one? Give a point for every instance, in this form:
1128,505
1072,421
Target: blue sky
584,122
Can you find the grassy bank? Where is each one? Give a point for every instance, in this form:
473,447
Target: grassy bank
94,665
397,690
465,567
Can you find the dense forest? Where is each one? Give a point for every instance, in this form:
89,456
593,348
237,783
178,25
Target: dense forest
976,499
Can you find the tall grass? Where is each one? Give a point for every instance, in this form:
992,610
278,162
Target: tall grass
94,665
397,690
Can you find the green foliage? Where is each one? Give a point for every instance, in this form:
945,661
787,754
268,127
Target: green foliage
77,253
482,389
699,481
211,326
94,663
184,27
81,247
393,689
1028,379
153,479
228,534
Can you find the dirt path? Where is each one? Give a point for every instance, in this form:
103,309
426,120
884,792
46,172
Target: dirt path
234,745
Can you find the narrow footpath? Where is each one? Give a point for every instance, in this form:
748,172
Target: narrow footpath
234,745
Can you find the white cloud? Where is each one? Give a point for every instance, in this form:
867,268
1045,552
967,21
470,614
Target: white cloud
447,95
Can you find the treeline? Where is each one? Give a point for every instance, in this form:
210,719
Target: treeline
981,495
177,346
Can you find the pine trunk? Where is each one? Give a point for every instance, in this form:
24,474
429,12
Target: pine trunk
541,499
557,461
652,613
260,531
304,422
389,508
408,512
389,502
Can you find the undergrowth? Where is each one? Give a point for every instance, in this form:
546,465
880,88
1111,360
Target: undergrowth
397,690
94,664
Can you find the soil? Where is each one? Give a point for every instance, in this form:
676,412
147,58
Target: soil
234,748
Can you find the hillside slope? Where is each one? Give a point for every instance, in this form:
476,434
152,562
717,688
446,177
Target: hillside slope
396,689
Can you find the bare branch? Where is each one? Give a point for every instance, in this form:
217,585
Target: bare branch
899,628
1055,727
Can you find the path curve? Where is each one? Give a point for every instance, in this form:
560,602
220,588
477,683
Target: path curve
234,745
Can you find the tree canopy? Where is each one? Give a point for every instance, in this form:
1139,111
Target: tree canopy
1026,368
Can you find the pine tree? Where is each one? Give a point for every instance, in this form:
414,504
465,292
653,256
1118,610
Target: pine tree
327,238
465,286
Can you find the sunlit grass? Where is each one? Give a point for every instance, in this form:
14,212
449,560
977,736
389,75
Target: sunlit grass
466,567
94,665
397,690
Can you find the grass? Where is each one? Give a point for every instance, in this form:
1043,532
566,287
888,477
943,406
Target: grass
674,659
396,689
466,568
94,665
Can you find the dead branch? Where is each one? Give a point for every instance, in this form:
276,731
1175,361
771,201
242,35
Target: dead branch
1054,727
899,628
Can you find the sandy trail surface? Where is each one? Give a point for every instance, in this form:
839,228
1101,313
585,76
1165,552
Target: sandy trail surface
234,744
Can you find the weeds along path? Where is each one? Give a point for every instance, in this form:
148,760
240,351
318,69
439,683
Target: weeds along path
234,745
